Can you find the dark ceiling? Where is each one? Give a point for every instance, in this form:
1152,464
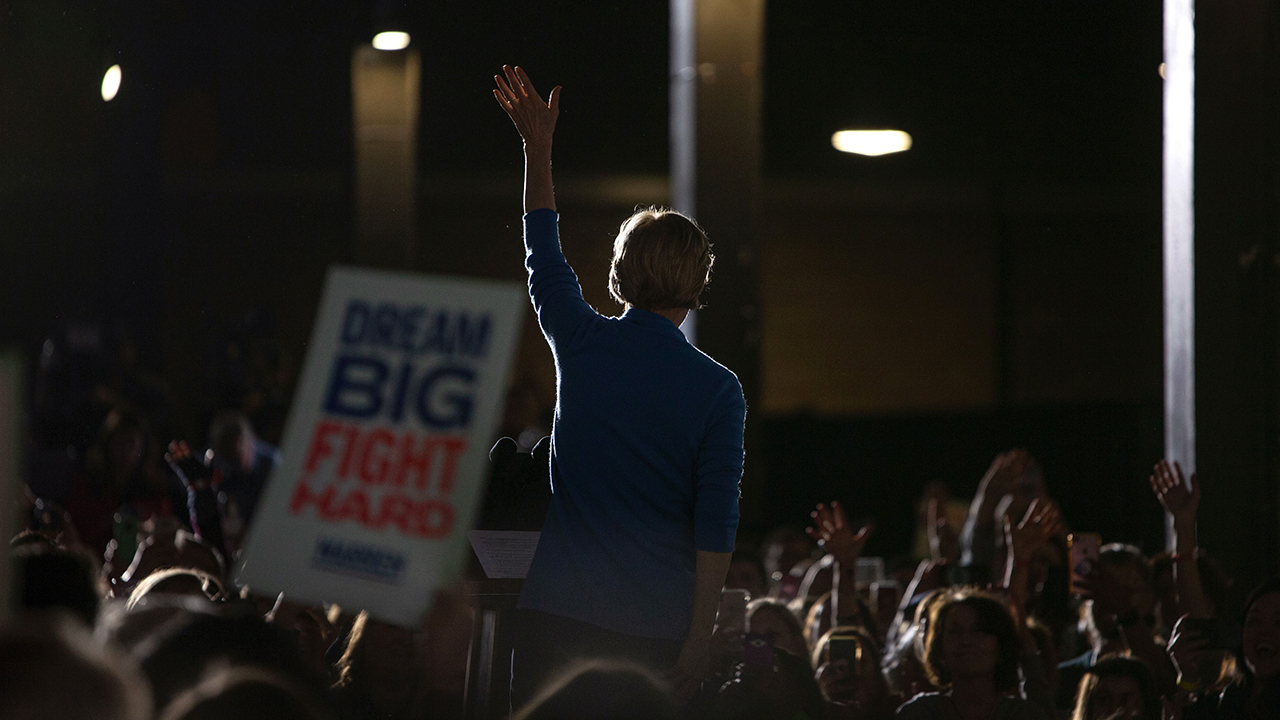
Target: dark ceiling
1056,92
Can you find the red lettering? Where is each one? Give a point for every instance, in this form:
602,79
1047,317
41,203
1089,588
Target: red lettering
396,509
434,519
303,496
453,447
344,468
376,472
354,507
420,462
320,447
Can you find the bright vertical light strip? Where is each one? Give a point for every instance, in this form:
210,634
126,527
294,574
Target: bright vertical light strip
111,83
1179,235
683,121
391,41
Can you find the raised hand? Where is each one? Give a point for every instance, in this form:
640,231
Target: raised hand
188,468
1005,472
943,542
535,119
831,530
1171,490
1041,522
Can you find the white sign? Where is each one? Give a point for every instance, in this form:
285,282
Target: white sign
386,448
505,554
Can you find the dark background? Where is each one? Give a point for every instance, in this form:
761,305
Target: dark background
996,286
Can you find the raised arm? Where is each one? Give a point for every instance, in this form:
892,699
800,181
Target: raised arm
1022,541
553,286
978,538
536,121
1182,502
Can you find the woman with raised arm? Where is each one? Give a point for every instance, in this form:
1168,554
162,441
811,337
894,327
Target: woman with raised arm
646,448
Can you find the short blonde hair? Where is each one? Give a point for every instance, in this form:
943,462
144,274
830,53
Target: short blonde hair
661,260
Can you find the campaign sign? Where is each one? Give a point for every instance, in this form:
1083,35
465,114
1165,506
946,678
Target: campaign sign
385,450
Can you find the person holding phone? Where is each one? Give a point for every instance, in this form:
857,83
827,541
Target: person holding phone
646,449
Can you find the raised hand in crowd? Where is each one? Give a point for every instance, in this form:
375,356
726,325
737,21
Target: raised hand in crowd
981,537
1025,538
1181,499
944,542
831,530
202,510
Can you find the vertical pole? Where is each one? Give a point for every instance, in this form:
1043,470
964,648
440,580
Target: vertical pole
684,106
683,122
384,96
1179,237
717,51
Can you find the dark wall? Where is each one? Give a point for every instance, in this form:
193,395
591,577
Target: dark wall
1095,459
1238,282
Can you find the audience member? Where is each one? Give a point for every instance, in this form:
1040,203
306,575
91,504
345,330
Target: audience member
971,653
192,644
1117,617
164,545
1011,483
783,549
177,581
120,487
602,690
245,693
378,673
52,668
771,618
846,665
1117,688
243,461
939,519
746,573
784,688
1251,679
47,578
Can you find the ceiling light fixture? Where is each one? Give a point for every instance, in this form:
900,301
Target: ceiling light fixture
391,40
871,142
111,83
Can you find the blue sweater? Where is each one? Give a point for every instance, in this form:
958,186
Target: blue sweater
646,455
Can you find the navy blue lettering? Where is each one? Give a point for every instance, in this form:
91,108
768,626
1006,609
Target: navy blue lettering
355,388
437,337
355,322
471,339
408,327
457,405
400,392
384,325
